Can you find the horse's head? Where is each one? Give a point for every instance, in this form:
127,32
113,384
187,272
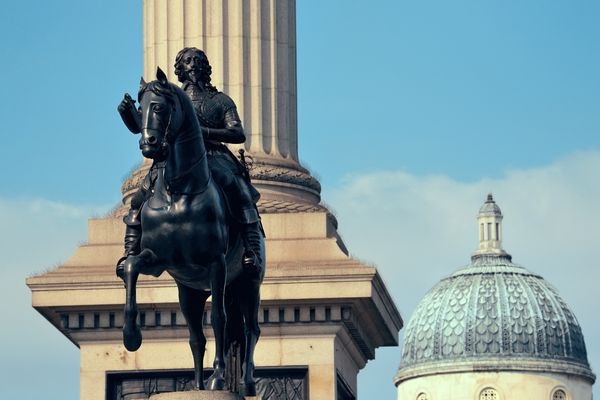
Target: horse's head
161,116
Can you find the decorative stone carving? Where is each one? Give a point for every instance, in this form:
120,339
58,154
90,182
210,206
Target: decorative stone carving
266,172
488,394
270,385
275,388
258,172
559,395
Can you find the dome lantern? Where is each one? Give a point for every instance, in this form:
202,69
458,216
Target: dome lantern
490,230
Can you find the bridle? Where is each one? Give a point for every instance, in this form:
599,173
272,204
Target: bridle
164,144
172,98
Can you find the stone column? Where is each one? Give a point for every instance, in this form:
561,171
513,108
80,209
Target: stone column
251,45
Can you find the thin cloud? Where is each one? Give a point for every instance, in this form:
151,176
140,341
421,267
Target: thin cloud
36,234
419,229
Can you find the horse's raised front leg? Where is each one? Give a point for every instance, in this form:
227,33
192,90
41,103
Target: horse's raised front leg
192,303
250,305
132,335
218,277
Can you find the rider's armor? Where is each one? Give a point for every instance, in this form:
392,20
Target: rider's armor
216,110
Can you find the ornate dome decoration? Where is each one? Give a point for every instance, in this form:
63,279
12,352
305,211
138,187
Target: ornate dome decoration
559,395
488,394
493,315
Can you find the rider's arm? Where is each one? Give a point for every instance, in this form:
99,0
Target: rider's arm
131,116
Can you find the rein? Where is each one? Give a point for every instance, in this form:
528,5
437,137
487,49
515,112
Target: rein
165,144
184,174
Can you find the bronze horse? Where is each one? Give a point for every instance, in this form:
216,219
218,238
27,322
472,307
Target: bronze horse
187,231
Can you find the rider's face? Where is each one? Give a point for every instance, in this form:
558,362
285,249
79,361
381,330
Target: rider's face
192,66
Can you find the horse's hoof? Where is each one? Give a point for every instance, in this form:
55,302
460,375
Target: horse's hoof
248,389
216,383
132,338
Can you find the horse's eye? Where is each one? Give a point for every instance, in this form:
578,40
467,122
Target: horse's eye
157,108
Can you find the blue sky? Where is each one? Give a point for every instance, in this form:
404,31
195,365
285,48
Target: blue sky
409,113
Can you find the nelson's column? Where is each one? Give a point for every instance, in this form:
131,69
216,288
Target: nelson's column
322,315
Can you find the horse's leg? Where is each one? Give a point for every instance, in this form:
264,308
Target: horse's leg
250,305
132,335
192,303
218,275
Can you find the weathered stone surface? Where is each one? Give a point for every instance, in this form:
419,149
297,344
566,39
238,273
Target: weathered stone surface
196,395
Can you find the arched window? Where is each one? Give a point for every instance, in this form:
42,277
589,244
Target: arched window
488,394
559,394
422,396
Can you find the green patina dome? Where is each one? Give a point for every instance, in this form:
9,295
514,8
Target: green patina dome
493,315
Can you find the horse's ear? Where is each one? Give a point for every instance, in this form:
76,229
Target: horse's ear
142,83
161,76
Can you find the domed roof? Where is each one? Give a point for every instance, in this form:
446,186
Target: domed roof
490,207
493,315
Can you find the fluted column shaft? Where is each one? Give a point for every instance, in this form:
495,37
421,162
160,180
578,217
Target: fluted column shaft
251,45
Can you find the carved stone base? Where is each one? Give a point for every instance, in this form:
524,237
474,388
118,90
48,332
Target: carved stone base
284,185
197,395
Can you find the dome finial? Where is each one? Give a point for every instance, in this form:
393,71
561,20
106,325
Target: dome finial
490,229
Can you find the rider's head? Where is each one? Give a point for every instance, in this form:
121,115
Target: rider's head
191,65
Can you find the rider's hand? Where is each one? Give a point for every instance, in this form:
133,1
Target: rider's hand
126,104
129,114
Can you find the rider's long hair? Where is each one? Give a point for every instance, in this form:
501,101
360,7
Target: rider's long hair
206,68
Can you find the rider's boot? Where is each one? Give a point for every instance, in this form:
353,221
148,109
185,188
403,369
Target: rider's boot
254,242
133,234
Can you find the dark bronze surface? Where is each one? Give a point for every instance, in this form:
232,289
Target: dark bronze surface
195,217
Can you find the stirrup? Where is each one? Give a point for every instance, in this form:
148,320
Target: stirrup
251,262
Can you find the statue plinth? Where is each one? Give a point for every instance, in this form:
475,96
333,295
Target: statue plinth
199,395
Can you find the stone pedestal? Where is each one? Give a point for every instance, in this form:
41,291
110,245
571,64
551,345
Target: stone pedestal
322,314
198,395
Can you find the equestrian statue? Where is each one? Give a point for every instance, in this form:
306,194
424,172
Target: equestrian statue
195,216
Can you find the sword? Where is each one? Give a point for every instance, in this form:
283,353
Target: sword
247,165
